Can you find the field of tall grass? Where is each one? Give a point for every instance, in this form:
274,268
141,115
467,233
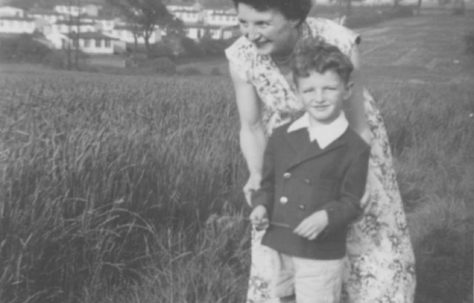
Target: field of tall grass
128,189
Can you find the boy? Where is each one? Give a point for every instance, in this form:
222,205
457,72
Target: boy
314,175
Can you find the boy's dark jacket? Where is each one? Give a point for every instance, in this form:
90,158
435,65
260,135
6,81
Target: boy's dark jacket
299,178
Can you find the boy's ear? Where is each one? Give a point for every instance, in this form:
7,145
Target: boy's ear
349,88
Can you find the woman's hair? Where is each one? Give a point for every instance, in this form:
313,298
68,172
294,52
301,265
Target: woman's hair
313,54
291,9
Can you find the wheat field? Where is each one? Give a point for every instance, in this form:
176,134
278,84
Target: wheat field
127,189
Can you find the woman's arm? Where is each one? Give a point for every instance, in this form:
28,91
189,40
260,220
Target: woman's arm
252,133
355,108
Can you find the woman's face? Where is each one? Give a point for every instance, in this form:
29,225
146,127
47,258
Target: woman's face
270,31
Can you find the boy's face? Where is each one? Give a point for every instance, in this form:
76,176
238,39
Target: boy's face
323,95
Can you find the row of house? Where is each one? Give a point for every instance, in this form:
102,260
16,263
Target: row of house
84,27
199,22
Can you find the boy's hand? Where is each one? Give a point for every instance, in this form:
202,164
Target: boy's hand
313,225
259,217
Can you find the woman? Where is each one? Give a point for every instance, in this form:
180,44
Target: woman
380,265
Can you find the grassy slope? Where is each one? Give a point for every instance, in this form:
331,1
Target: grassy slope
107,180
424,83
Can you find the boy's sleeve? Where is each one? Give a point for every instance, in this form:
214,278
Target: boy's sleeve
264,196
343,211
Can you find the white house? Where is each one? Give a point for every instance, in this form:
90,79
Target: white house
46,15
191,15
192,7
199,22
67,26
11,11
220,18
329,2
188,16
199,31
17,25
77,10
88,42
125,33
103,24
374,2
228,32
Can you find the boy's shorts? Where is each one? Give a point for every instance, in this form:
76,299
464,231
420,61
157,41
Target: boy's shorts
311,281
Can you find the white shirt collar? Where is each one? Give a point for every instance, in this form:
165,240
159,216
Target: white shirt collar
323,134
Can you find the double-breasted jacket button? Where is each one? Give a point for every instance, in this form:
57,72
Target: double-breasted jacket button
283,200
301,206
307,181
287,175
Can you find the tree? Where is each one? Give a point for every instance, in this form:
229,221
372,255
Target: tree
174,26
144,16
73,33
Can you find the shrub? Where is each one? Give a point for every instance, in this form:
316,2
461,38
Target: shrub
56,59
158,65
191,48
161,49
135,60
190,71
213,47
164,65
23,48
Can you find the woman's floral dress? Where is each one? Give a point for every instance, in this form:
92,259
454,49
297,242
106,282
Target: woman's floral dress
381,265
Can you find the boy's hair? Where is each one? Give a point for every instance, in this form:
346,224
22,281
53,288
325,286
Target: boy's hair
291,9
316,55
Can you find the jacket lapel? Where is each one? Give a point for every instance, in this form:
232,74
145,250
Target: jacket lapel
297,140
305,150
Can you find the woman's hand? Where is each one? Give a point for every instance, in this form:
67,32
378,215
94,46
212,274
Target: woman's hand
313,225
253,184
259,217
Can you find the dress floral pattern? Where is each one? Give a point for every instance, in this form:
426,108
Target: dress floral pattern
380,260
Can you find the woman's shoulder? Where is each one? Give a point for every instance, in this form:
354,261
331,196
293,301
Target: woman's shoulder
241,51
333,32
240,55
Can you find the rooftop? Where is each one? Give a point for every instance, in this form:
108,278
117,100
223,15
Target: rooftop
74,22
16,18
42,11
90,35
12,6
